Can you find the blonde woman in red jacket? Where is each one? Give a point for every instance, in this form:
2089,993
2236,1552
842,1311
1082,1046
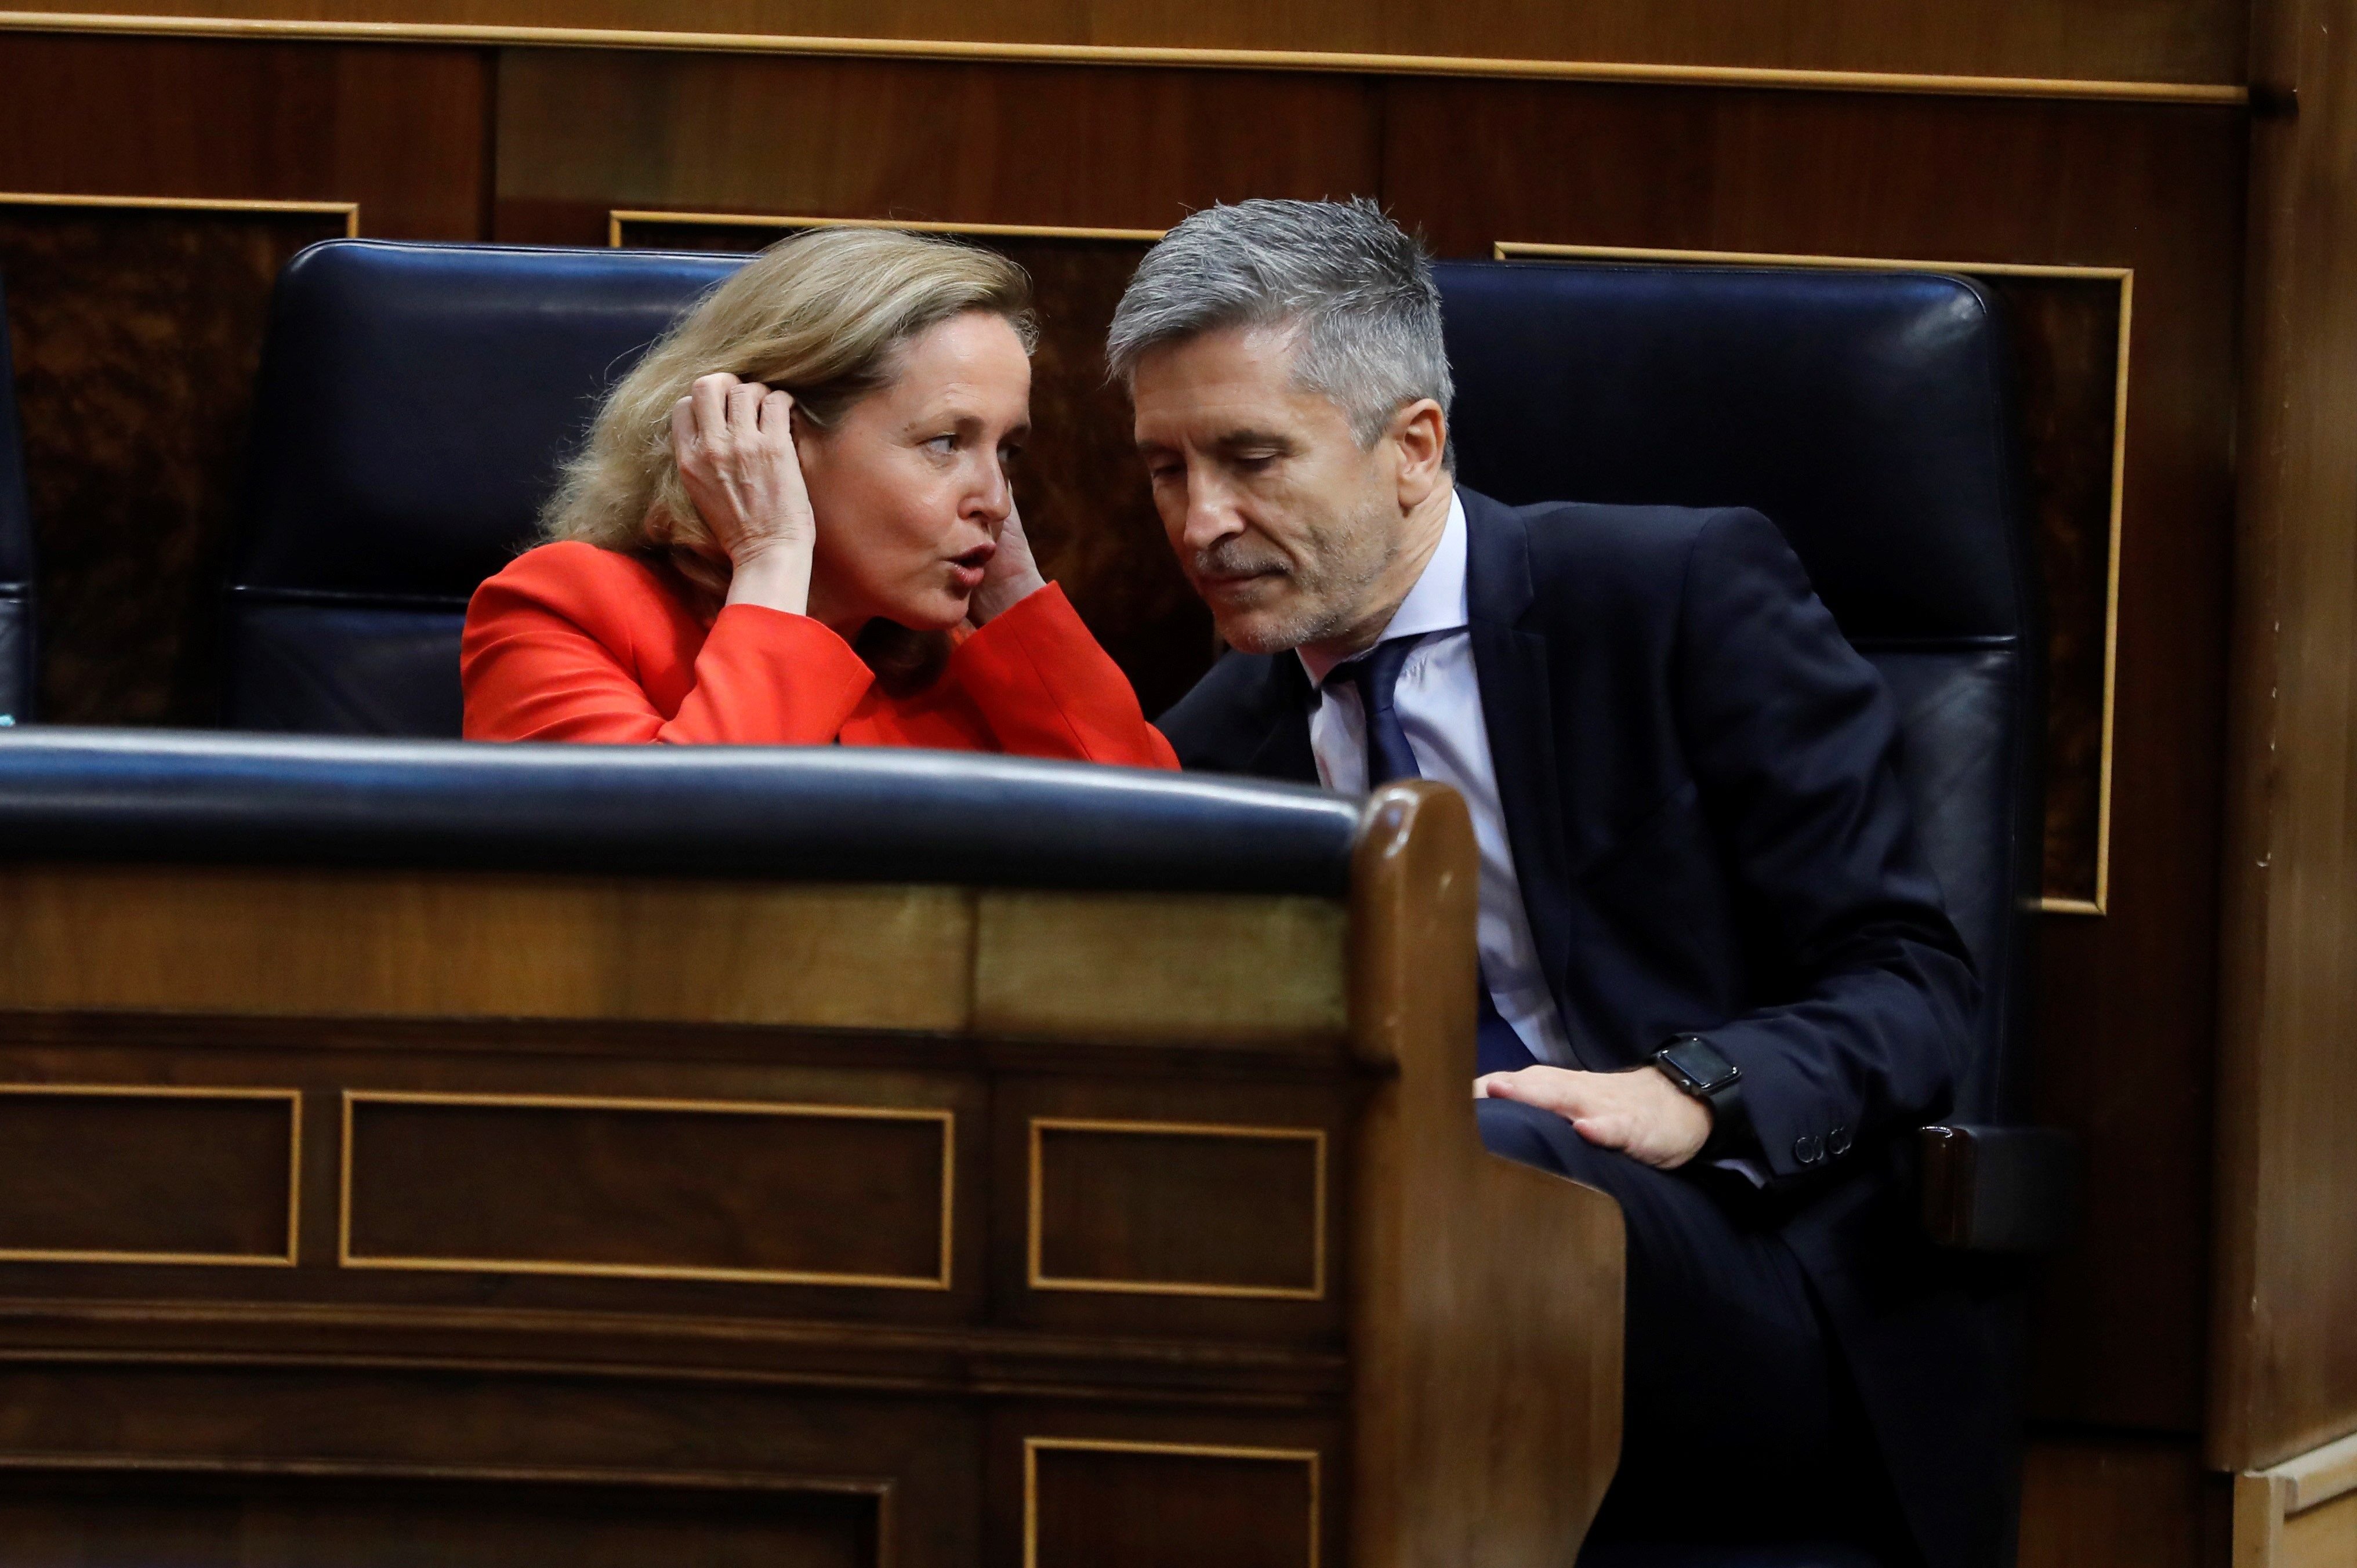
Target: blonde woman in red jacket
792,525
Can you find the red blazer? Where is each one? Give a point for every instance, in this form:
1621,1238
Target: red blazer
571,642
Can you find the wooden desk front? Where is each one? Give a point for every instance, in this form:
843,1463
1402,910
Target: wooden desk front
389,1217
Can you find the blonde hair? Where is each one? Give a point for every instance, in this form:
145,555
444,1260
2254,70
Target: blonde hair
822,314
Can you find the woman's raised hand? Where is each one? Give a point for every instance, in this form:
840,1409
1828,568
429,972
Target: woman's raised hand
734,442
1010,576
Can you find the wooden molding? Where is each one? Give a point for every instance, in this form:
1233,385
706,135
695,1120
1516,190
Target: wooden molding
2218,95
1037,1278
293,1100
2301,1513
348,211
1450,1463
1034,1446
615,218
346,1257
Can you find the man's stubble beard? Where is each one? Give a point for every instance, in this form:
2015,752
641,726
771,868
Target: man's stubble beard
1327,602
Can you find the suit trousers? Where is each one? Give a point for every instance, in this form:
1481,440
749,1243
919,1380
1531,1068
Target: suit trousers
1739,1422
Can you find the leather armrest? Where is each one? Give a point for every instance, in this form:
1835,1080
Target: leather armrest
800,813
1999,1189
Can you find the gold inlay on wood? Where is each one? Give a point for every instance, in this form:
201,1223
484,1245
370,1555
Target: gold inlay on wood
1034,1446
1037,1278
939,1280
293,1098
348,211
2124,277
1625,73
615,218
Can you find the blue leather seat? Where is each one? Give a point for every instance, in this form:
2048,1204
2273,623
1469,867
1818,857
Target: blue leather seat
414,404
1872,417
16,548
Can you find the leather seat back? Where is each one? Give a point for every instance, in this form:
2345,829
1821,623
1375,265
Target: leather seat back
413,406
1872,417
16,547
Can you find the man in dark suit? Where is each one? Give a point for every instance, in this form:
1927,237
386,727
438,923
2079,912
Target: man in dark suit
1719,979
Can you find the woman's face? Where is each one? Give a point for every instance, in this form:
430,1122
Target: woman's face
909,489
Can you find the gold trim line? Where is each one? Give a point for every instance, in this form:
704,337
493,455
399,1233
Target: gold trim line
1034,1446
1037,1278
619,216
294,1098
348,211
2221,94
1514,250
947,1118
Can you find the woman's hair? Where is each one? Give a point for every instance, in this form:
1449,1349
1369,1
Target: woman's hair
824,316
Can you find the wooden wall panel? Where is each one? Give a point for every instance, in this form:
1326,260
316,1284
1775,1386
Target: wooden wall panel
137,333
581,132
2127,1045
2094,1501
392,1521
2163,41
400,131
2285,1378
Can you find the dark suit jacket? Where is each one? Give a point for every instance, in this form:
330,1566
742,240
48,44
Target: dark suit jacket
1698,777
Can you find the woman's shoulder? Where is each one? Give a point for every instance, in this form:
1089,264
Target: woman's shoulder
567,562
579,579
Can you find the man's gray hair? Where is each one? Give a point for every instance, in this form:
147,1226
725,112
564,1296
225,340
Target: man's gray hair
1357,291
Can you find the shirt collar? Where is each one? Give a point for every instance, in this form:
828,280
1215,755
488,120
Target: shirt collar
1435,604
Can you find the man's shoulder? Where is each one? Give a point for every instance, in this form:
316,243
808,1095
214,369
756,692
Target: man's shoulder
1597,535
1228,713
1584,555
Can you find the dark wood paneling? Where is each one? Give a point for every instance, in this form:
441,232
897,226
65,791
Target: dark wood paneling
2286,1376
400,131
1090,522
715,1463
1124,1204
2066,335
2098,1500
581,132
1175,1472
1091,1504
2174,39
389,1522
190,1176
778,1194
137,334
1226,1227
2127,1037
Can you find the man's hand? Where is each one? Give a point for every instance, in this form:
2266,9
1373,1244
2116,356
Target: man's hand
1641,1113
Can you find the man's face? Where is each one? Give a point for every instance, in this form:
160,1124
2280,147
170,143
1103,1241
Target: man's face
1282,523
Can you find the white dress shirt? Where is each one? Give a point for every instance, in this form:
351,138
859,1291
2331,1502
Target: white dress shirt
1439,704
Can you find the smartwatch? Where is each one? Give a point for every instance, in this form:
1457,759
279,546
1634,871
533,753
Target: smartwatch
1701,1070
1698,1066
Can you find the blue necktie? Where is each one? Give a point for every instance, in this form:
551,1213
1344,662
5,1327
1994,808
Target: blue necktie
1497,1049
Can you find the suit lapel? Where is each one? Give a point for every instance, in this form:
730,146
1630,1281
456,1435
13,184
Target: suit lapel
1283,752
1510,660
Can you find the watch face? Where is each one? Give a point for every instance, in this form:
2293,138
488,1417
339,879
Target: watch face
1705,1066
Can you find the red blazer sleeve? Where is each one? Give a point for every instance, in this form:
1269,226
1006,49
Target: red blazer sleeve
1046,689
552,648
